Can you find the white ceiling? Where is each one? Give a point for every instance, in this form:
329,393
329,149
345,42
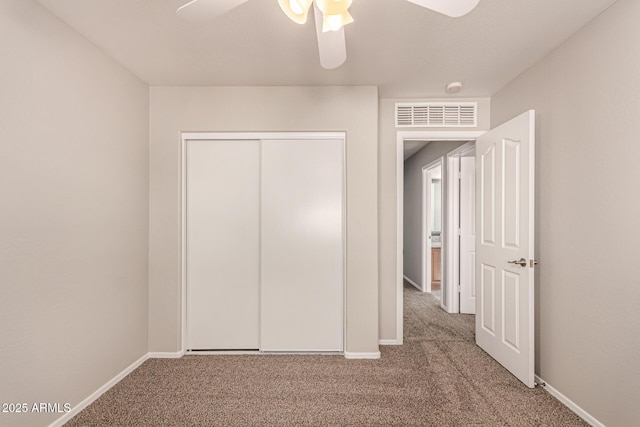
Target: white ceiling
406,50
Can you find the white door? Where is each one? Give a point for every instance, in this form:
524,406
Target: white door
302,263
467,235
505,246
222,244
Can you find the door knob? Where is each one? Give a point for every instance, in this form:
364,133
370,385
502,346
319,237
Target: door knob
521,262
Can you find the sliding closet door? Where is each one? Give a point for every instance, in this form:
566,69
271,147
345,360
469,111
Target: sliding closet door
223,218
302,245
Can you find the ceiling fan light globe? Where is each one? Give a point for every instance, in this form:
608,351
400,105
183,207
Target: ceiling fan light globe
333,7
454,9
335,22
295,7
296,10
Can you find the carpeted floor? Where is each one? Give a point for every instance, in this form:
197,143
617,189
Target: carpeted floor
439,377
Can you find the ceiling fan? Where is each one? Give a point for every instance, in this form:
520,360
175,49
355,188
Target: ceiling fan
330,18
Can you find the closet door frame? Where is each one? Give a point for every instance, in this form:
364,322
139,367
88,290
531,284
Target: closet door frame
261,136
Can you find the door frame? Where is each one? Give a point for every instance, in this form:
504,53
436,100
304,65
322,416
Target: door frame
401,137
194,136
426,221
452,243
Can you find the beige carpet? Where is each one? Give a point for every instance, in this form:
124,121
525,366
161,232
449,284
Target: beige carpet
438,378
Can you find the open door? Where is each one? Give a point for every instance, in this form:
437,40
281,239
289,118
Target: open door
505,245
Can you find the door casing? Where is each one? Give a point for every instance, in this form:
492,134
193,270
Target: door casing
452,242
401,137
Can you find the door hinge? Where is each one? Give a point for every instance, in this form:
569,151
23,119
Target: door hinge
459,288
533,262
459,231
459,175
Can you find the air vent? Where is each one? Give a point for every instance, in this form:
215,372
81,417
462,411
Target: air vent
437,114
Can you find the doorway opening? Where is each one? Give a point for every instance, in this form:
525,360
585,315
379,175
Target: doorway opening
504,251
426,241
411,145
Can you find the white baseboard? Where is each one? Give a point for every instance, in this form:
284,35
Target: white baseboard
388,342
166,355
95,395
224,353
415,285
354,355
569,403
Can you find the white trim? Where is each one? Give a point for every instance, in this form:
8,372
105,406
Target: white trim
260,136
344,241
414,284
387,342
301,353
451,241
260,188
99,392
438,135
401,137
464,149
357,355
224,353
399,238
425,217
590,419
183,243
452,256
166,355
199,136
263,353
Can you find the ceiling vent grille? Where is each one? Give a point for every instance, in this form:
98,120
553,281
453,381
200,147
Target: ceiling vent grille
437,114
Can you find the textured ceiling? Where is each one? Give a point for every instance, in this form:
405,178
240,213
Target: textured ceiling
406,50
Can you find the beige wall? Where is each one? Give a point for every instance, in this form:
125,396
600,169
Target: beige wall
350,109
387,173
587,98
73,222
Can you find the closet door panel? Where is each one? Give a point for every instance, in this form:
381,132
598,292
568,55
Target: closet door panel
302,264
223,195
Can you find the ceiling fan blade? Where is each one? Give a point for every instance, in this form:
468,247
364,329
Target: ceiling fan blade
452,8
331,45
200,10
